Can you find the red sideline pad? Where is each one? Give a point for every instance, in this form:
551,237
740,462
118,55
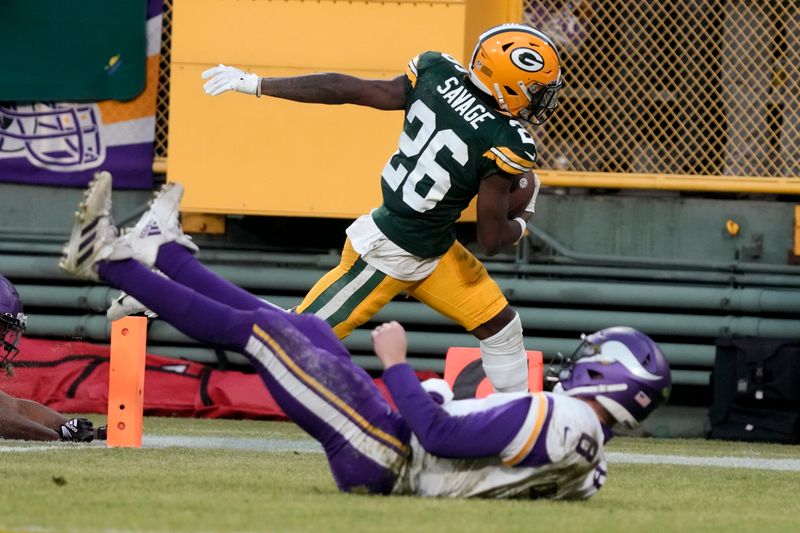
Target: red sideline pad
72,377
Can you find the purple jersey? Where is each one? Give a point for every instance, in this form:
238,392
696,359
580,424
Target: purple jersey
551,449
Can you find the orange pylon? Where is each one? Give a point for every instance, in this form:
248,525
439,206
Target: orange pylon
126,382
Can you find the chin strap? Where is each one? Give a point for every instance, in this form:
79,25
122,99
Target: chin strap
500,100
616,410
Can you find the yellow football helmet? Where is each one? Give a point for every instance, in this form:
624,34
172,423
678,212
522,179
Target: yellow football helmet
520,68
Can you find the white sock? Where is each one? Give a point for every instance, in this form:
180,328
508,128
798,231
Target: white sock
504,359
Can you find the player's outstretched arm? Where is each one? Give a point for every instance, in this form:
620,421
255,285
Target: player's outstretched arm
29,420
483,433
479,434
324,88
495,229
334,88
15,426
15,422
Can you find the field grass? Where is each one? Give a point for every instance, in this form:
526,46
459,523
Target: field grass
88,488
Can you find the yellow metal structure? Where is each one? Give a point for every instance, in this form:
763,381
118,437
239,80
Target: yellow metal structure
203,223
797,231
696,95
618,180
240,155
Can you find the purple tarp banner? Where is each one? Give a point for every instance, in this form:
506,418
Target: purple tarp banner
66,143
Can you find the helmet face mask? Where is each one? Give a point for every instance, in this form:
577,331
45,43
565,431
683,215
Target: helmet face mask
543,101
621,368
10,332
520,68
12,323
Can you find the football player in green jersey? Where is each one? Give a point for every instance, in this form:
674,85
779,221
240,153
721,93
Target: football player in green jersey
463,136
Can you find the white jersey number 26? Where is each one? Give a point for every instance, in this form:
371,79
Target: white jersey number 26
424,147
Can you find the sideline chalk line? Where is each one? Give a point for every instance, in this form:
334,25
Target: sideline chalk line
310,446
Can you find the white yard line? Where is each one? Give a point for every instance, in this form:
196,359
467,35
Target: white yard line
231,443
790,465
310,446
23,447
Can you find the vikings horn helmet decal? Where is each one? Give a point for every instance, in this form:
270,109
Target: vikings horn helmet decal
621,368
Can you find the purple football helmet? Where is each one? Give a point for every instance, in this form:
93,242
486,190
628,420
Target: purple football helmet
621,368
12,322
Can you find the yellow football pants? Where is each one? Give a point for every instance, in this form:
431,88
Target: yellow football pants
350,294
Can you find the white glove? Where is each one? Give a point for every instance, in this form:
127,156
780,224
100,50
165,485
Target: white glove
438,387
536,184
230,79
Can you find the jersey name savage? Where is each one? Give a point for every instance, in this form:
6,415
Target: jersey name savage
463,102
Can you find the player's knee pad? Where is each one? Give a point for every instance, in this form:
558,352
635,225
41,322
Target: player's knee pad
504,359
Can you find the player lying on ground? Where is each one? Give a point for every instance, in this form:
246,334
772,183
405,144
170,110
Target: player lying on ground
507,445
26,419
29,420
463,136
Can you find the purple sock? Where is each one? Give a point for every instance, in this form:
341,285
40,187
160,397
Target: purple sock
192,313
179,264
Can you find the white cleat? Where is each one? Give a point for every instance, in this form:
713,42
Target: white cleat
126,305
159,225
94,236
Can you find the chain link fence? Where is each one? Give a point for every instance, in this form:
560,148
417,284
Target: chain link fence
687,87
162,101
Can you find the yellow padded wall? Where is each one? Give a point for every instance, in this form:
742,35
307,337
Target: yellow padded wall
237,154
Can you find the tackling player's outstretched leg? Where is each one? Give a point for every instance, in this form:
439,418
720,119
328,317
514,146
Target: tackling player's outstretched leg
306,368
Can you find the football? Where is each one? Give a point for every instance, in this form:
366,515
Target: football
522,187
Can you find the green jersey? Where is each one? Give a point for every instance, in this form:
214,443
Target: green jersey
451,140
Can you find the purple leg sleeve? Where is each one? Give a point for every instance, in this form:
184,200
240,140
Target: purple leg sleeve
334,400
192,313
179,264
326,394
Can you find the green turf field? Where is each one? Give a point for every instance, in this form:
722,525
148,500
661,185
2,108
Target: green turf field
72,487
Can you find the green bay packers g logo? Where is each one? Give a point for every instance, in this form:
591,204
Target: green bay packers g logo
527,59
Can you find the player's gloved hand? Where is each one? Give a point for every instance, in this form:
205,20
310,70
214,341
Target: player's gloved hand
77,430
439,390
536,184
222,78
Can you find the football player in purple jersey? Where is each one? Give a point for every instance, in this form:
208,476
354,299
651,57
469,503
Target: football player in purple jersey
520,445
21,418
